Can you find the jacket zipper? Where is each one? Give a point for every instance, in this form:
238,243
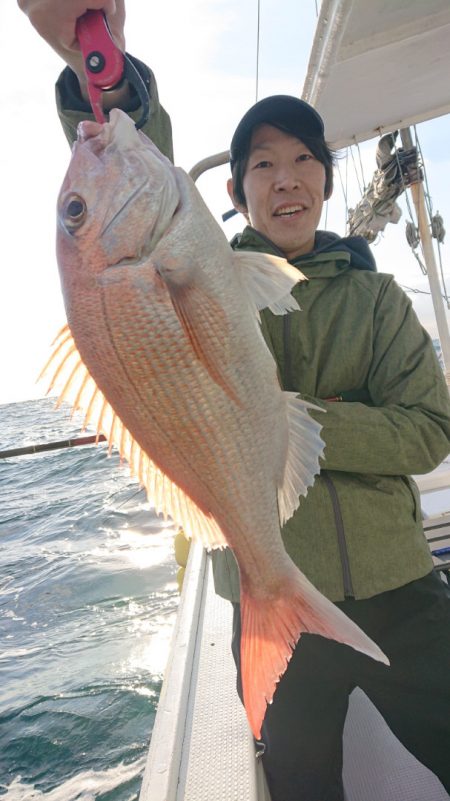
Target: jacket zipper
287,383
342,544
339,523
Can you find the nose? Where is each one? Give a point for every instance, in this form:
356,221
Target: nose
286,179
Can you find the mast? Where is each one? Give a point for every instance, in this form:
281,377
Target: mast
418,197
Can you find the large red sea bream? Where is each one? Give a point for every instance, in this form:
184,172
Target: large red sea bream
164,352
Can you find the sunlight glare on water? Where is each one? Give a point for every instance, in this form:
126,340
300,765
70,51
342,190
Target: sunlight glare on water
88,600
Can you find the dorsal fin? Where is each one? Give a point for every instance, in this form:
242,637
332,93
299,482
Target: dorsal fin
66,370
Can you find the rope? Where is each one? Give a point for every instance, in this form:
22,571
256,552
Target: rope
420,262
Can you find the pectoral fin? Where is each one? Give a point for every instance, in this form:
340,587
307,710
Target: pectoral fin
304,449
268,281
204,323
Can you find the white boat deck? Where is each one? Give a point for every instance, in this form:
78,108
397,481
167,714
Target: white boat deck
202,748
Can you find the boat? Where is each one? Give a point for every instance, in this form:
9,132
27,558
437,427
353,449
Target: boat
201,747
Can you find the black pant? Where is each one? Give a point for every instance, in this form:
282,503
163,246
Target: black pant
303,727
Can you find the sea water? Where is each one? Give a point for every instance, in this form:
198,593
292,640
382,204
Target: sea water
87,604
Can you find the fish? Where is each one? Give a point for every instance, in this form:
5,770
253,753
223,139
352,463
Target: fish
163,352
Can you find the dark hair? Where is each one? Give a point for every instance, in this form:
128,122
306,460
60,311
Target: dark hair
317,145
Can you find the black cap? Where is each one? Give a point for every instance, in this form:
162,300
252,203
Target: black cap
288,112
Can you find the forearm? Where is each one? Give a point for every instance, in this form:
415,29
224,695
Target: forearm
56,22
388,441
403,427
73,107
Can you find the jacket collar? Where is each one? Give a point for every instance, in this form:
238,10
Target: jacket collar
350,252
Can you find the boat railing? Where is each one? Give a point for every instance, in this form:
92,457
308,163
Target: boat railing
201,747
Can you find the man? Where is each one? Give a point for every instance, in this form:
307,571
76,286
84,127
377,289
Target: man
356,349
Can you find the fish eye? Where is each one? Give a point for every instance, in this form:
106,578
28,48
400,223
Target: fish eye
74,213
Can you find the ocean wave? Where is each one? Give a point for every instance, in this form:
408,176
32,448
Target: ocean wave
87,605
84,786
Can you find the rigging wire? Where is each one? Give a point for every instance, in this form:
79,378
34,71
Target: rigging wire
427,194
258,27
361,164
361,188
436,221
416,291
346,174
343,192
412,230
404,185
412,227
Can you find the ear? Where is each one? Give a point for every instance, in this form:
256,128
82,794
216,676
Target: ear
236,205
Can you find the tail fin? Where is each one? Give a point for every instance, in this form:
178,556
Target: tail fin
270,630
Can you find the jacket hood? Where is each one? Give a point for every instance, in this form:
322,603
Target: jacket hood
361,256
356,247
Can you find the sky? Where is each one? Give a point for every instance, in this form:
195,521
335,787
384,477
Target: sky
203,53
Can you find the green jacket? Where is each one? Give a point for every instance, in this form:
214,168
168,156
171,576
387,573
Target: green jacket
358,532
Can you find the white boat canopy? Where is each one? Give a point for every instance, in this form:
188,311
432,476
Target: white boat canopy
379,65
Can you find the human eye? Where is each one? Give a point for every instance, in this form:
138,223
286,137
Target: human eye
261,164
305,157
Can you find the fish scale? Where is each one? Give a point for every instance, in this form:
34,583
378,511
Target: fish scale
167,395
206,400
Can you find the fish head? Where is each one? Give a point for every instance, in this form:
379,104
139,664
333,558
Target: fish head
117,199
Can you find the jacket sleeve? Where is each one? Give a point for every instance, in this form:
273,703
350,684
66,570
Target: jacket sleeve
72,108
407,430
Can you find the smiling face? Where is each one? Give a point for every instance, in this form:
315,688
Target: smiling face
284,190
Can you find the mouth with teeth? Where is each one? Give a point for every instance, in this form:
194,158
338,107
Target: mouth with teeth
288,211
